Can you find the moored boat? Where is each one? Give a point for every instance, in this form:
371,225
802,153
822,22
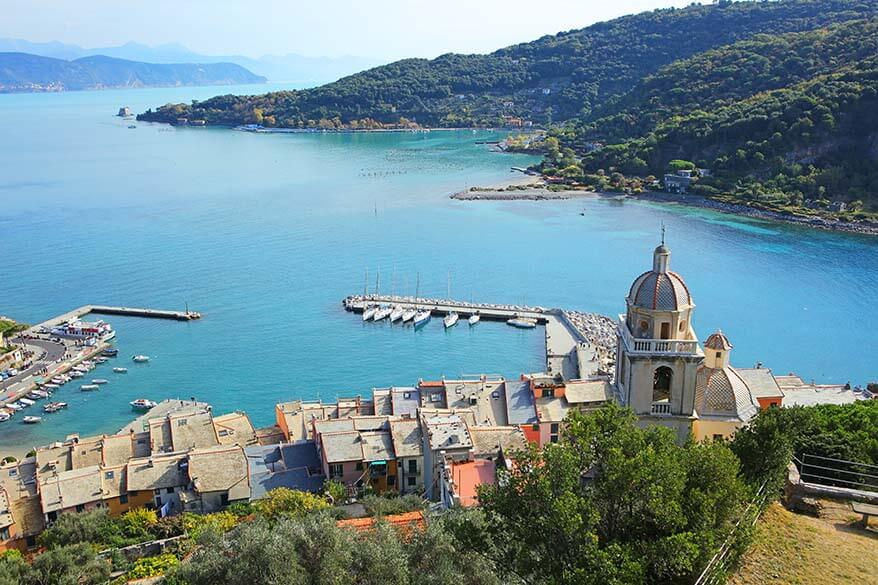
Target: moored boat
89,387
450,320
101,360
422,317
5,416
408,315
522,322
54,407
382,313
51,387
14,406
474,318
99,381
140,359
37,394
396,314
110,352
76,374
27,401
142,404
32,420
120,370
369,312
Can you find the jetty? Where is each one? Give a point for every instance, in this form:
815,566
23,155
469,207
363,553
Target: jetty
489,312
84,310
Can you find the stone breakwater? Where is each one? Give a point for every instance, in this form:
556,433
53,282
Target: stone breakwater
600,331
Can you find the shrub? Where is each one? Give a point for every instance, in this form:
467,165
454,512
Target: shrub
219,522
284,502
390,505
136,523
152,566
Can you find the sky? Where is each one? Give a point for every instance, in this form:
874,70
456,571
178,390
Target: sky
380,29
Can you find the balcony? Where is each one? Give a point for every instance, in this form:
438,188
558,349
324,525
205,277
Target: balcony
661,408
636,345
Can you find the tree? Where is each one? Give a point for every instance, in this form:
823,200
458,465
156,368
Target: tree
75,564
281,502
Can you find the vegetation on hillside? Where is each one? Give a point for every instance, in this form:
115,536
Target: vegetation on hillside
555,78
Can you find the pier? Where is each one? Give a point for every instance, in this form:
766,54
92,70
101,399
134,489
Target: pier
488,312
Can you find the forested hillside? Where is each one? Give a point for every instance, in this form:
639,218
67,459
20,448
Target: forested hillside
552,79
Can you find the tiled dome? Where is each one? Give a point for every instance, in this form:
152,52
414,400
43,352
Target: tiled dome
722,392
718,341
660,289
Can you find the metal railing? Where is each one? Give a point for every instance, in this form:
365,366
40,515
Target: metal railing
829,471
667,346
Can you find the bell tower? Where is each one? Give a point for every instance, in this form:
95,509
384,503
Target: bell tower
658,354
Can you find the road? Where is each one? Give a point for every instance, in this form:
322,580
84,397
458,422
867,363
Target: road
47,354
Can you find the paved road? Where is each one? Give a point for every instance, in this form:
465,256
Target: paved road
47,352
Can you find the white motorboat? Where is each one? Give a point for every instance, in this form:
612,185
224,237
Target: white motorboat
422,317
58,380
382,313
37,394
5,416
101,360
27,401
396,314
474,318
450,320
14,406
81,369
408,315
32,420
120,370
76,374
140,359
89,387
99,381
142,404
369,312
54,407
522,322
51,387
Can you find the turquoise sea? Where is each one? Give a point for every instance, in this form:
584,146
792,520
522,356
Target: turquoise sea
265,234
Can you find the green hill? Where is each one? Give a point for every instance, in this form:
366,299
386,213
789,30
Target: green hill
23,72
552,79
777,120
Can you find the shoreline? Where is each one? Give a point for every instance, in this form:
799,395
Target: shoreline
531,188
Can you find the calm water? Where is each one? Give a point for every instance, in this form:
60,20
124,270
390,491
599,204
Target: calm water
266,234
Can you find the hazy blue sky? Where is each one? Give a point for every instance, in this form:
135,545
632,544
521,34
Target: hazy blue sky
385,29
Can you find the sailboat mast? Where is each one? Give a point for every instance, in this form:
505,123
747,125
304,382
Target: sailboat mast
418,287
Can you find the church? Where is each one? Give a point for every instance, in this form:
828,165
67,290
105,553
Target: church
665,375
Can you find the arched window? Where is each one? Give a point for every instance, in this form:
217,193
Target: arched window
661,384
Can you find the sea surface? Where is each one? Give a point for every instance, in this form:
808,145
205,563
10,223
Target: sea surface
266,234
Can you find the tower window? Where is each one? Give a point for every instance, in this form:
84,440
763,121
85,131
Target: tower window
682,325
666,330
661,384
644,326
719,355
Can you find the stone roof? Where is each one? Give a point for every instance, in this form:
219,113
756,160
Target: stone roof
192,431
520,409
69,489
341,446
234,428
551,409
6,518
334,425
157,472
86,452
160,437
383,404
57,455
723,393
447,432
114,481
216,469
405,401
118,449
487,441
761,382
718,341
408,440
377,446
587,391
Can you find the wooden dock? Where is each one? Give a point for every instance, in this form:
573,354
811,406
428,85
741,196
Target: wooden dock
489,312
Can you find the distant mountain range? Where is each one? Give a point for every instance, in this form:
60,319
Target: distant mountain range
23,72
291,68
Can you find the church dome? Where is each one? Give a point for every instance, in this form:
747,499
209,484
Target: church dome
660,289
718,341
722,392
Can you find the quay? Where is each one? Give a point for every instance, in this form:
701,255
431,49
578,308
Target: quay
489,312
84,310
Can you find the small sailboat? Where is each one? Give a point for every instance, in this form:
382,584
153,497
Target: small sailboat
450,319
120,370
99,381
408,315
369,312
89,387
474,318
382,313
142,404
396,314
32,420
422,317
140,359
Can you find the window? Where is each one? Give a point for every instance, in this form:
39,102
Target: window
223,433
224,499
158,502
157,492
335,470
682,325
535,427
80,508
4,533
359,466
643,326
717,437
553,439
182,422
13,472
719,355
666,330
123,499
108,475
553,428
413,466
391,480
661,384
169,490
411,481
548,392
